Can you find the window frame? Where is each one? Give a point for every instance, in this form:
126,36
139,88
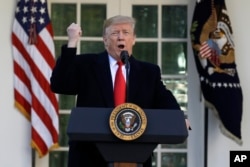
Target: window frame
195,146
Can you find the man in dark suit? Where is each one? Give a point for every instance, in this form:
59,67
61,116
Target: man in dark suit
91,78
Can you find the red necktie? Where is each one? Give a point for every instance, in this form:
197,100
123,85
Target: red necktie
120,86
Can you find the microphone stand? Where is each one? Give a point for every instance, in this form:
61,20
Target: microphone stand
127,67
124,58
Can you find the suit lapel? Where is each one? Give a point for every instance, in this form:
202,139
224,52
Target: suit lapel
103,74
134,78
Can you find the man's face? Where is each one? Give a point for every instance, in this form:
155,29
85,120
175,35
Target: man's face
119,37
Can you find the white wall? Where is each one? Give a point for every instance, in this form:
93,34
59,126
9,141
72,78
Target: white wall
195,107
15,129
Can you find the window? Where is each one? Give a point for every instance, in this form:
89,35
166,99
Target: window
161,39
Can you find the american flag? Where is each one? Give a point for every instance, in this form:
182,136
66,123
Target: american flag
34,58
205,50
210,50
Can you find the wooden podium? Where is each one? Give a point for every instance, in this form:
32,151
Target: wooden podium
92,124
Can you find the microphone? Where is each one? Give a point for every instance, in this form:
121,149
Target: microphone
124,58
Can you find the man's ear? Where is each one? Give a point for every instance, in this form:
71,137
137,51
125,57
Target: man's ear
104,40
134,40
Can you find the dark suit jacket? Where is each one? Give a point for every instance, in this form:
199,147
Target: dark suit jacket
88,76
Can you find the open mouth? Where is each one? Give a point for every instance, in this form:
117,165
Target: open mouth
121,46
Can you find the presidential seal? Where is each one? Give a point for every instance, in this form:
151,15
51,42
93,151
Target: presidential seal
128,121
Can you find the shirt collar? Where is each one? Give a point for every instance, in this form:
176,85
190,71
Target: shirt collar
112,61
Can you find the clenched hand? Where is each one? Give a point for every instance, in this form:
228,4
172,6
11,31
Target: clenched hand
74,32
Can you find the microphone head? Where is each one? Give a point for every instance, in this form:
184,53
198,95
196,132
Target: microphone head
124,56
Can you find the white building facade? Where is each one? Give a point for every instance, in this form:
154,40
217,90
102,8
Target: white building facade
15,128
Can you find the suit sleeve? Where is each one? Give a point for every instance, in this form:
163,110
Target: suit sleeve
164,98
64,78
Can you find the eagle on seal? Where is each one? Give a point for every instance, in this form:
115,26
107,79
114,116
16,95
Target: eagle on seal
128,121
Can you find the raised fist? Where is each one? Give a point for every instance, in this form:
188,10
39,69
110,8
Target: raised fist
74,32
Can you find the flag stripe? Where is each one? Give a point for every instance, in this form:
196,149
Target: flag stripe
38,142
47,121
39,94
39,125
45,49
22,97
22,104
35,70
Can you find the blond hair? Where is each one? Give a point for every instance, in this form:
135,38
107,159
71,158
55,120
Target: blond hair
119,19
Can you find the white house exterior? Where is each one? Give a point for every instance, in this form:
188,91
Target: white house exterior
15,128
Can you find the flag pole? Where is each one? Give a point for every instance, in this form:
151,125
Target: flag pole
205,136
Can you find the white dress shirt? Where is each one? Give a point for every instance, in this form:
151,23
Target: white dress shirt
113,68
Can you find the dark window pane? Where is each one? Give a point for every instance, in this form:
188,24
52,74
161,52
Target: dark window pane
62,15
174,56
182,145
146,51
66,101
63,123
174,21
92,17
174,160
179,89
154,160
92,47
58,46
58,158
146,18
